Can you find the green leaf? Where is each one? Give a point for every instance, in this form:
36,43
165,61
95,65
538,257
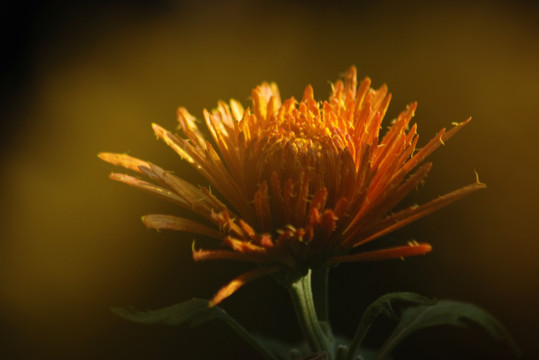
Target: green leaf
445,312
194,312
384,305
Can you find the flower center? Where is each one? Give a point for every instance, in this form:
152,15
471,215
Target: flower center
297,165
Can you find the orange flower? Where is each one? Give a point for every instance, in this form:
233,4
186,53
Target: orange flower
298,184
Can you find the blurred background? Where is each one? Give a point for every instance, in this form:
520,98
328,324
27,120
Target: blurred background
89,76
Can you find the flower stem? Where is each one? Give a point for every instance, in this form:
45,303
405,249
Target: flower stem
250,339
302,298
320,292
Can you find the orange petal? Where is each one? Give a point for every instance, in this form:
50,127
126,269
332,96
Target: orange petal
236,109
385,254
456,127
169,222
202,255
164,135
263,208
199,200
241,280
405,217
360,96
148,187
124,160
189,127
242,246
350,80
369,215
432,145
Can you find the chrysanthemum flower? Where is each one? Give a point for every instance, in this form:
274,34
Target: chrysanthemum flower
297,184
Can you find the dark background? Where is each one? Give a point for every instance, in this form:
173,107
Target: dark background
84,77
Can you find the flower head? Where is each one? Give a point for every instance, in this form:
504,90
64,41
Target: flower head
298,184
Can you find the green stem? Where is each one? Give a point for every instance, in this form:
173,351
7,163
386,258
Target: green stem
388,347
302,298
320,292
245,335
361,332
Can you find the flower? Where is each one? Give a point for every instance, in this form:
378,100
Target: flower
299,184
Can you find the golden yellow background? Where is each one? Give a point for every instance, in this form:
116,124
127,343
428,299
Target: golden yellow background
97,74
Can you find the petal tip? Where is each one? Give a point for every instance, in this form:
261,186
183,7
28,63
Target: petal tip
107,156
478,183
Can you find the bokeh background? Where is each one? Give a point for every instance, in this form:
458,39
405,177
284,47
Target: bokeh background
90,76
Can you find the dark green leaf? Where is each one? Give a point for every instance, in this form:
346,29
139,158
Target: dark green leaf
445,313
384,305
194,312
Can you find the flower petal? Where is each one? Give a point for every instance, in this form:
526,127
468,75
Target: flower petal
405,217
202,255
241,280
432,145
391,253
124,160
148,187
169,222
200,201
